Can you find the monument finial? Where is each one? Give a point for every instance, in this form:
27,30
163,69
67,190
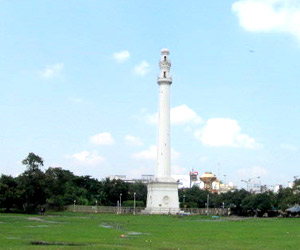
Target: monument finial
164,65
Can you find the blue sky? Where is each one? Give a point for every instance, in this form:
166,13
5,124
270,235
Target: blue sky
78,86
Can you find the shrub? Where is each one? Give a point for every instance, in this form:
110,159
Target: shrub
130,203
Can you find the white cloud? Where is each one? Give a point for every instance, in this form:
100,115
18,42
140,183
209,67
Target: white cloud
224,132
142,69
152,118
52,70
151,153
86,158
289,147
269,15
121,56
102,139
132,140
252,172
181,114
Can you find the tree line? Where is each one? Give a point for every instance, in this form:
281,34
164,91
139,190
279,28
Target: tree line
242,202
55,188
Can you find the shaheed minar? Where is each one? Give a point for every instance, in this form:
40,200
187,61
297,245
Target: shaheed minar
162,197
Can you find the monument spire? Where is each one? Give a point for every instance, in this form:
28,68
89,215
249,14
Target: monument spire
162,196
163,167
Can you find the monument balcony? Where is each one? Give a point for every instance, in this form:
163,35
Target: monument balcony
161,79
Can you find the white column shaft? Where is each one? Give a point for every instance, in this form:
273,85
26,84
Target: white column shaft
163,168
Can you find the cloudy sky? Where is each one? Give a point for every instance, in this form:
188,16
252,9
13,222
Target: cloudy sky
78,86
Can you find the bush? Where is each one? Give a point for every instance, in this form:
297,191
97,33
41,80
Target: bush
130,203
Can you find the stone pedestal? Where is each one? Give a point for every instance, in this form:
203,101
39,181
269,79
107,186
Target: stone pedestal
162,198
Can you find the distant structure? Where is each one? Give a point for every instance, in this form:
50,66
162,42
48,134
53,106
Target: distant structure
117,177
210,182
208,178
277,187
162,196
193,177
145,178
220,187
291,184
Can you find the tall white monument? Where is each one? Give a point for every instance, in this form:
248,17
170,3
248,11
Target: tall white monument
162,197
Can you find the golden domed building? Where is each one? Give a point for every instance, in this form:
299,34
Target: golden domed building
208,178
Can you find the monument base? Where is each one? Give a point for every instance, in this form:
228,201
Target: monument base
162,198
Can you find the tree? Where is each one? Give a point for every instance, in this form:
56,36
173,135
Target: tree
140,190
31,184
257,203
263,202
194,197
33,162
113,189
233,200
92,187
8,192
284,198
58,183
296,191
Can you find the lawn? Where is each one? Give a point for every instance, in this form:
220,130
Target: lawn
109,231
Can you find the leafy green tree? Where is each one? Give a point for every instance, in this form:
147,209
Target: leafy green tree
248,204
296,184
284,198
296,191
58,182
140,190
92,186
113,189
31,184
8,192
233,200
263,202
101,197
33,162
194,197
258,203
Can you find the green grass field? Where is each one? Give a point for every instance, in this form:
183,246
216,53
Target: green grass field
109,231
